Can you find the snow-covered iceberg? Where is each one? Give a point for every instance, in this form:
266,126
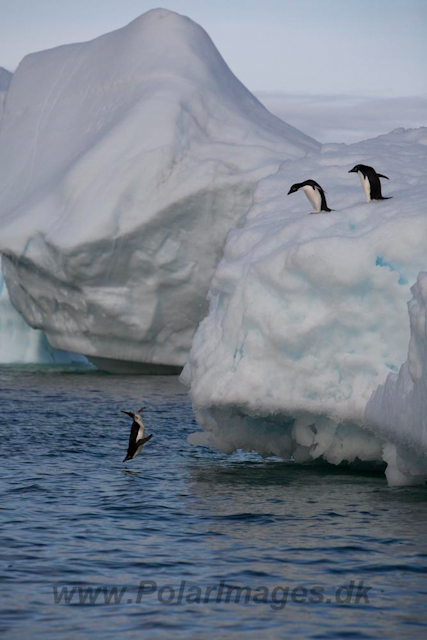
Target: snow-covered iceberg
308,314
124,162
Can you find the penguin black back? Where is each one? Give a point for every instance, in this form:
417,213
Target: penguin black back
370,180
317,189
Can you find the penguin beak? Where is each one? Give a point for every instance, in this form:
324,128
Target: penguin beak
352,170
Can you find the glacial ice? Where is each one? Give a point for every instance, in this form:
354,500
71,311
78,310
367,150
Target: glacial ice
398,408
19,343
124,162
308,320
5,78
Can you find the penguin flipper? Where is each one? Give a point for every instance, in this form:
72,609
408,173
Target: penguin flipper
380,175
143,440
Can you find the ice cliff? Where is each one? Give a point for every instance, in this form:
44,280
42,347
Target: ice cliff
124,162
19,343
398,408
5,78
308,322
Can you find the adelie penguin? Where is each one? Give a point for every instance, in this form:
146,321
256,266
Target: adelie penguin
314,193
370,181
136,438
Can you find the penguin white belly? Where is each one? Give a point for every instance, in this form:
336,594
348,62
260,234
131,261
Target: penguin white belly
314,196
138,451
366,186
139,437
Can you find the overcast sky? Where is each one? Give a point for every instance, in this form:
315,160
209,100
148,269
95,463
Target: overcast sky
341,49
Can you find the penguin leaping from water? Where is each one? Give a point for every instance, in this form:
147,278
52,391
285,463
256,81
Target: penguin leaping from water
136,438
370,181
314,193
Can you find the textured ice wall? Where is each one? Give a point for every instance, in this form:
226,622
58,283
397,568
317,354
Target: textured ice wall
398,408
308,313
19,343
124,162
5,79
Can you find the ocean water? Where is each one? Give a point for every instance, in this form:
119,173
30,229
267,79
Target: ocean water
160,546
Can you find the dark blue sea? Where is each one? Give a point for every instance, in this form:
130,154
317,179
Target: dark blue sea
185,542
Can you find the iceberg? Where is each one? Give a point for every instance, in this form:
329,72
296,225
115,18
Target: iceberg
5,79
308,320
124,162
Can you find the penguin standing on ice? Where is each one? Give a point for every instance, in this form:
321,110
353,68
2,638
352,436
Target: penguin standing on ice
136,438
314,193
370,181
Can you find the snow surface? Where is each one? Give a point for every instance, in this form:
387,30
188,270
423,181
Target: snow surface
308,314
124,162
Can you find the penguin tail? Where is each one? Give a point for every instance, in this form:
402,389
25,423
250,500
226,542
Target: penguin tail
328,209
385,198
126,459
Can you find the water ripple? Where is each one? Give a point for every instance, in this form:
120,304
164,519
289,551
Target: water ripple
186,519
